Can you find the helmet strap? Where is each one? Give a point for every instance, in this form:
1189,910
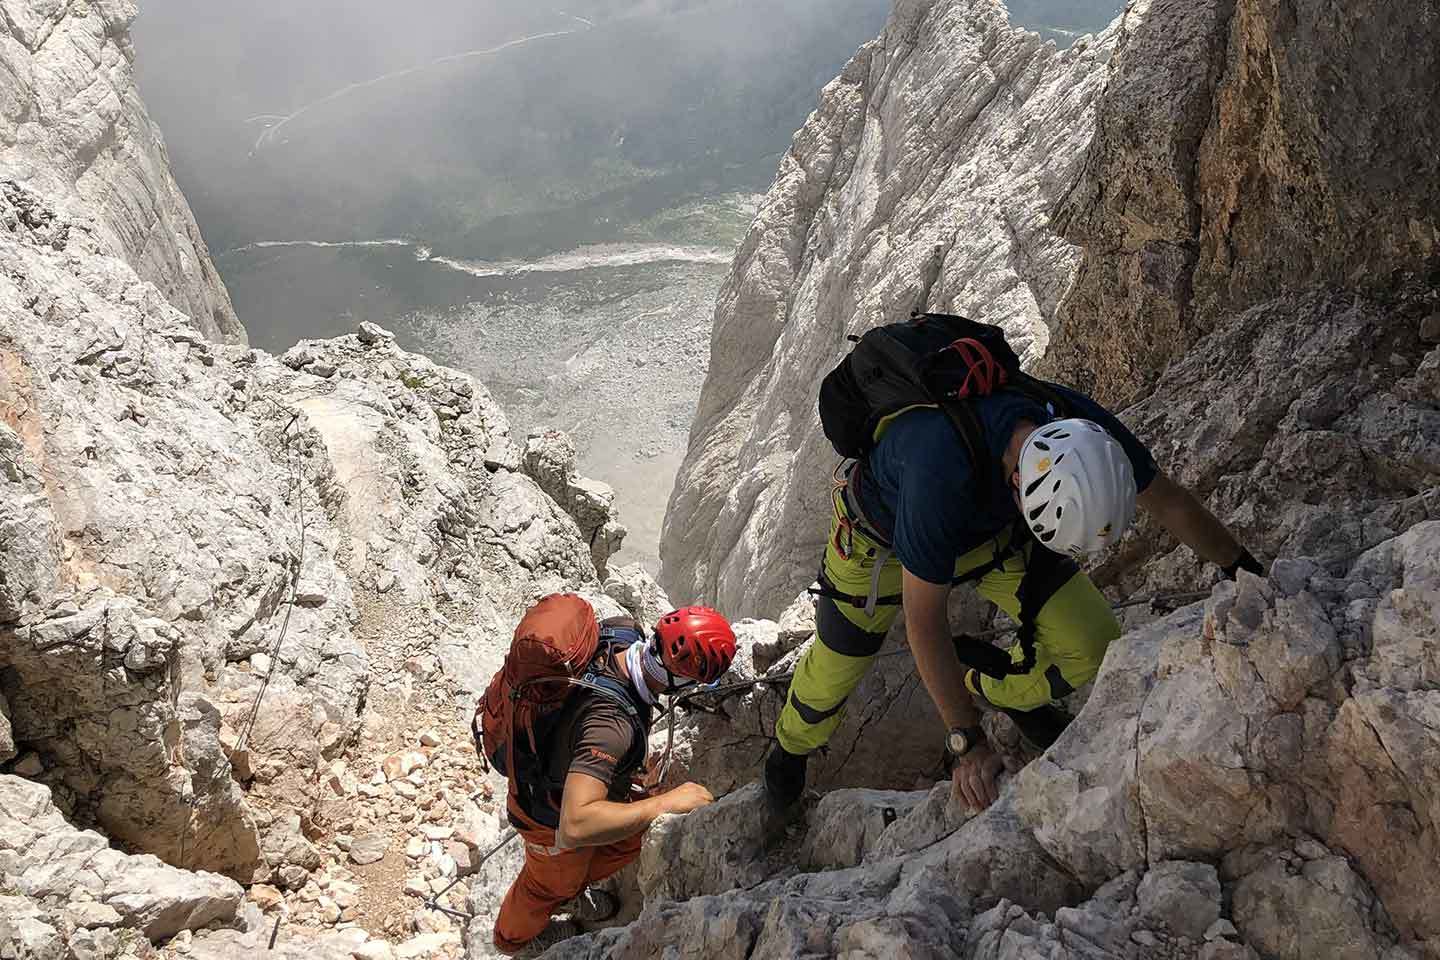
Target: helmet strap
653,657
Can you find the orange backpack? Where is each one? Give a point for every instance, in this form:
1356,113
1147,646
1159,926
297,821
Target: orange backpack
554,643
554,646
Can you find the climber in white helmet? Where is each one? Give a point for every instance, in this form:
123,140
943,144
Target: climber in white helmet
961,468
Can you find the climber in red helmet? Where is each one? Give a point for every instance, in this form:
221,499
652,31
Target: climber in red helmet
576,809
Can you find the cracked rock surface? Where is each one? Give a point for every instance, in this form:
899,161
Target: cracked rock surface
1242,148
49,861
351,530
1248,777
236,577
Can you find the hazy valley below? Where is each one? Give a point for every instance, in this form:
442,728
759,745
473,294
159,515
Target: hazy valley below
469,288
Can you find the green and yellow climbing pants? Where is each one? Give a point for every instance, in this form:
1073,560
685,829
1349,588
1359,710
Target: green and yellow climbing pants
1070,625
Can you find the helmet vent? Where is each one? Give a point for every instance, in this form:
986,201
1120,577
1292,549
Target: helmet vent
1047,537
1042,445
1058,511
1038,510
1035,484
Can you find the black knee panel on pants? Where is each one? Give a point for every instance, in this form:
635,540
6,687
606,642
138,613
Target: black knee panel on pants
842,636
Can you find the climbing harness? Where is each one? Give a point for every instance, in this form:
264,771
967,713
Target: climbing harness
1045,572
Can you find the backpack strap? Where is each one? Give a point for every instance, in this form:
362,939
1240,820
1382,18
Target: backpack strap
617,692
529,779
612,634
1042,392
961,414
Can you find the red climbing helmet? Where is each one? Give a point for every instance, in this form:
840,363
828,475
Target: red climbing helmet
696,642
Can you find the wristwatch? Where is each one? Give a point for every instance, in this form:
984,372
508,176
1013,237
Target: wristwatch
961,740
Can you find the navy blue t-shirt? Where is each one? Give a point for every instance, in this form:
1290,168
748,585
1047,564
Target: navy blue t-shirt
919,489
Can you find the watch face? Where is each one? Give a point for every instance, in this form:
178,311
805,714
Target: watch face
958,743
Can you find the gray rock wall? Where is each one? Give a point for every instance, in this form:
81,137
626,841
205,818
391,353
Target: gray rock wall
212,545
73,127
44,858
1247,777
1250,777
1310,424
1243,148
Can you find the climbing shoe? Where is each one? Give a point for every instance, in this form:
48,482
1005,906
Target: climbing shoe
557,931
592,906
784,779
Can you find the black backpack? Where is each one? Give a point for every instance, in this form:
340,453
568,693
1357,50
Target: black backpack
931,360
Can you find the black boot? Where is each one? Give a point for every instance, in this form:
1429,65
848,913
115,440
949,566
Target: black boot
784,778
1041,726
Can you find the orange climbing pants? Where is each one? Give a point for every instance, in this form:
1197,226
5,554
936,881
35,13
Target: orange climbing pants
550,877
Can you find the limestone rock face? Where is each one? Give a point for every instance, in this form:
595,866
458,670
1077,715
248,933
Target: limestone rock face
1275,904
923,180
91,682
1308,423
29,541
1242,148
846,825
710,850
27,931
550,460
212,537
73,127
7,732
44,857
632,586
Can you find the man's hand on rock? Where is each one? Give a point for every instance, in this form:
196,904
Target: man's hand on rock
973,778
686,797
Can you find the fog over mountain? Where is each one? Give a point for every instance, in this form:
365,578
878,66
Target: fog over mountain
493,129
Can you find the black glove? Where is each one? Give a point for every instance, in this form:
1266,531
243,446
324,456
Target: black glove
1246,561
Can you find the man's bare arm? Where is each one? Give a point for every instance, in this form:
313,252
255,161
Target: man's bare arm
1181,513
927,626
588,819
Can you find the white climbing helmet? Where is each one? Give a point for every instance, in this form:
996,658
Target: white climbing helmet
1077,487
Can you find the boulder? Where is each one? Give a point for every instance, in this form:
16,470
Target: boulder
43,856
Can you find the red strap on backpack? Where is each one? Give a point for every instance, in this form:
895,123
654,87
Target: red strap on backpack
984,373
